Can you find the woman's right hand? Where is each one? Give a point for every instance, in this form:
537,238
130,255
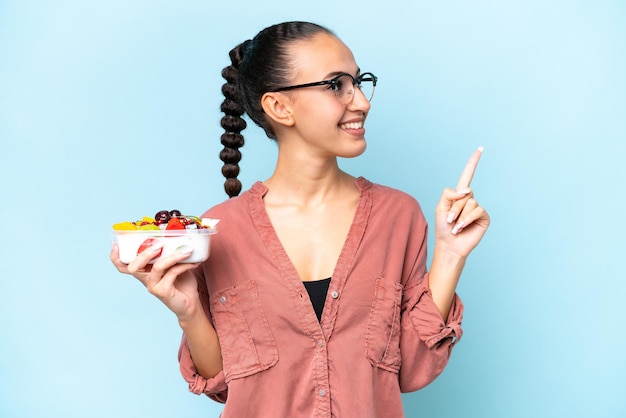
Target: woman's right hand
172,283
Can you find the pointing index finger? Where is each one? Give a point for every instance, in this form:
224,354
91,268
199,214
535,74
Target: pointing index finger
470,168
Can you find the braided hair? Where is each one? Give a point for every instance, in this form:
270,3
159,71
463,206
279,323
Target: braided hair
257,66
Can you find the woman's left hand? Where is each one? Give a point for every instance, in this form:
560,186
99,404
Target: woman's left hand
460,222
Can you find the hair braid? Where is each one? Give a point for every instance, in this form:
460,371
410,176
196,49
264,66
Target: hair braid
233,124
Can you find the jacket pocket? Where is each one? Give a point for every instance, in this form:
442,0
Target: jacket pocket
382,340
246,340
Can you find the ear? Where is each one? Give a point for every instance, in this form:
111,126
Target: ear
278,107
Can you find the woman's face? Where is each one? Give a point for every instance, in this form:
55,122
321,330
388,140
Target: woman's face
323,124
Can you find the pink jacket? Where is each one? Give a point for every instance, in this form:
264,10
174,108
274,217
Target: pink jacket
380,334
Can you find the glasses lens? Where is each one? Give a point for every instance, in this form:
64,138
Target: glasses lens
367,87
345,89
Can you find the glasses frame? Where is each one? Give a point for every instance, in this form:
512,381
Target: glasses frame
332,84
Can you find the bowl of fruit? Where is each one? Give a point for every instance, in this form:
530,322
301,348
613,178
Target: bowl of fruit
174,231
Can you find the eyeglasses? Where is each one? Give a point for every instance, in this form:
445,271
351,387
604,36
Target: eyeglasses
343,86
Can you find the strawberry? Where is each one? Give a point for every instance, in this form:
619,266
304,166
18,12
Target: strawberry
149,242
175,223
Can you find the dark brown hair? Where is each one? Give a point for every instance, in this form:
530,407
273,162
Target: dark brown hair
257,66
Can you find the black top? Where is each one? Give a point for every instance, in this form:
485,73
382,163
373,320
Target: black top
317,290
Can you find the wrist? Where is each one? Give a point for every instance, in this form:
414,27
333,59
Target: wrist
192,319
447,257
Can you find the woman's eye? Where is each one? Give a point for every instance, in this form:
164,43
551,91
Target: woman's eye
337,85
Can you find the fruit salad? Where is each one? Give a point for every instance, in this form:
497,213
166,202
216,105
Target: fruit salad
171,229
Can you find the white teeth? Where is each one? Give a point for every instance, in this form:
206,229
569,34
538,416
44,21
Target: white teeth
352,125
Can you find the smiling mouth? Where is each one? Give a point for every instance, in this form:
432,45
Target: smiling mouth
352,125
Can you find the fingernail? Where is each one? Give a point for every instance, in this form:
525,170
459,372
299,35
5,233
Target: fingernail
451,217
457,228
156,247
464,191
481,148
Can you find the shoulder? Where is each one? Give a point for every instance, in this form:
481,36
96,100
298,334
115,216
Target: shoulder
389,198
235,207
396,218
229,208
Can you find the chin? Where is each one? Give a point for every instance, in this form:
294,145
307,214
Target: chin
355,151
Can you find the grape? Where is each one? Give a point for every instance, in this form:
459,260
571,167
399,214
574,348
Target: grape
176,213
162,217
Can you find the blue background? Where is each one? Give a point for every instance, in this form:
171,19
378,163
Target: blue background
109,110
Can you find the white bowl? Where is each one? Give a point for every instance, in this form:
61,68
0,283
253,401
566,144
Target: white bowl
172,240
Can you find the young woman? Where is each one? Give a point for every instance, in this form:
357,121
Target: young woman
316,300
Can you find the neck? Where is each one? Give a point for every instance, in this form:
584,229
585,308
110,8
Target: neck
307,181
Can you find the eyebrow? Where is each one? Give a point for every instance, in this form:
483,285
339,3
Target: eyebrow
336,73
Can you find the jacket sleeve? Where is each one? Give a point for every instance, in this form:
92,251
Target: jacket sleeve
426,340
216,387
